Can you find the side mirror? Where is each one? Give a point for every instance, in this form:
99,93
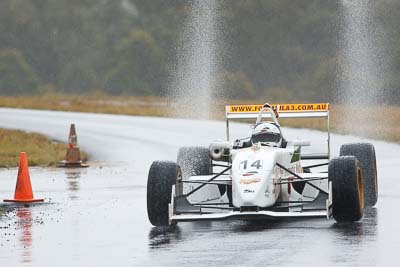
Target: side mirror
220,151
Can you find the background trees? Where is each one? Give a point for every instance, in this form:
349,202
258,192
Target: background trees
276,47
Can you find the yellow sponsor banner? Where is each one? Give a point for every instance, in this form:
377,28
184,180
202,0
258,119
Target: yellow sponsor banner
280,107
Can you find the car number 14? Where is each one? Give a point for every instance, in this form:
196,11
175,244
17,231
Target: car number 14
248,165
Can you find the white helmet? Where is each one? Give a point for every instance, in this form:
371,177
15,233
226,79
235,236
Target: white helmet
267,134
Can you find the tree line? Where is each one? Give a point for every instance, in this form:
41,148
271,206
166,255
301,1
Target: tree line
277,48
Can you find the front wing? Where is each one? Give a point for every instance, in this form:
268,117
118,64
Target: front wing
248,215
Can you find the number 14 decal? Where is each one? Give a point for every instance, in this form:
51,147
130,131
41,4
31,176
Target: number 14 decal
256,164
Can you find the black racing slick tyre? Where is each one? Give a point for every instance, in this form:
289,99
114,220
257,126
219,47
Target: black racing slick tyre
347,189
365,153
194,161
162,176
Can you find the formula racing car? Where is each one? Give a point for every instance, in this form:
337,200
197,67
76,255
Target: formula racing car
263,176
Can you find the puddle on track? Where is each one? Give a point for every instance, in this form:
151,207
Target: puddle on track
90,217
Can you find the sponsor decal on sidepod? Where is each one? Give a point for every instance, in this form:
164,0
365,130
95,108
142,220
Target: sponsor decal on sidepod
250,181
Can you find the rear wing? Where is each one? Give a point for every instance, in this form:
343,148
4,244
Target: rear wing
315,110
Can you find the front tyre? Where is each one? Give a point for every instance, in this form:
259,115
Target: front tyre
365,153
347,189
162,176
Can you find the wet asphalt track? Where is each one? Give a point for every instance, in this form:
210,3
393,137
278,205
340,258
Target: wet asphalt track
97,216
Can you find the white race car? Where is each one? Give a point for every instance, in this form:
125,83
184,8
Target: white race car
263,176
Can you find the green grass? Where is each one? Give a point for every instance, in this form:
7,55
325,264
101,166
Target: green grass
40,150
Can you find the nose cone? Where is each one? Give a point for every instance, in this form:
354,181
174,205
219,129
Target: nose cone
252,178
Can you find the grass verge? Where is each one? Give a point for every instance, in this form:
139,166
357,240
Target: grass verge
40,150
97,103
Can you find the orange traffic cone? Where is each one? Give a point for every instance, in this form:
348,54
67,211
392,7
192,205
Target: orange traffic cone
23,189
73,156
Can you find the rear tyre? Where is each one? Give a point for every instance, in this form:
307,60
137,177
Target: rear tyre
193,161
365,153
162,176
196,161
347,189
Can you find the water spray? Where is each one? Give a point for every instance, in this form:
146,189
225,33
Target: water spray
361,65
195,75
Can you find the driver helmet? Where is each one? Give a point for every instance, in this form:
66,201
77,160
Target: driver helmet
267,134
